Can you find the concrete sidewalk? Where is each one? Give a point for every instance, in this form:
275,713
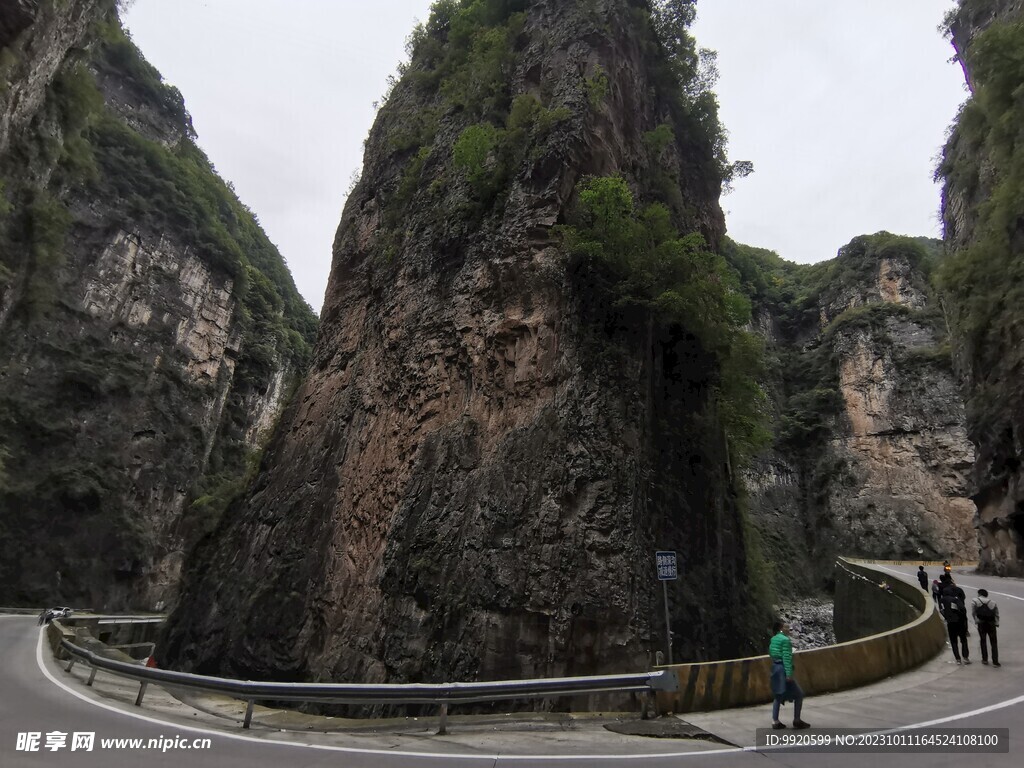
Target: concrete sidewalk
917,696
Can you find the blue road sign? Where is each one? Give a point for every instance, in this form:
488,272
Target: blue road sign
667,570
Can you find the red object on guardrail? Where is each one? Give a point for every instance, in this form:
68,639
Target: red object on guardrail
151,662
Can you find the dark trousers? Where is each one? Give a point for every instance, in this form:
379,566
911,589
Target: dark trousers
793,693
987,631
958,630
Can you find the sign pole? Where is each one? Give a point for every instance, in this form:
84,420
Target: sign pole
668,626
667,571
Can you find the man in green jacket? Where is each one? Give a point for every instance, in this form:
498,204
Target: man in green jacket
784,687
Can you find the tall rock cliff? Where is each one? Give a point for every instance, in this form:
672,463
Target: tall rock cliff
871,454
983,172
149,331
499,428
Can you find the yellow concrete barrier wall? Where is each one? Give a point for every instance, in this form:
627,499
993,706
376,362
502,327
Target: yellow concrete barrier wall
743,682
868,605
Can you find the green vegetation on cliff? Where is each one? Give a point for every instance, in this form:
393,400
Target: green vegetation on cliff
112,149
676,280
157,187
983,283
461,65
874,301
460,62
461,82
812,305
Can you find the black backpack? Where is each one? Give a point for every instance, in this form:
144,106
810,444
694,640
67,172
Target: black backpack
985,612
953,605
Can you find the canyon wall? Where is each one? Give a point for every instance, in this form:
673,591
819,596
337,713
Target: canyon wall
871,456
149,332
981,209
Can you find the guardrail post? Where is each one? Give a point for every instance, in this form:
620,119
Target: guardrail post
92,676
142,692
70,664
442,725
248,714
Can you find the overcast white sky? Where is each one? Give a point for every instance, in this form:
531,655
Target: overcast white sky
841,106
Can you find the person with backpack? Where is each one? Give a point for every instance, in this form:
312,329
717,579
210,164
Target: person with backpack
936,591
954,611
986,617
922,577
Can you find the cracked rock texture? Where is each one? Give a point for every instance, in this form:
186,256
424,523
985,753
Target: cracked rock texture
474,477
904,450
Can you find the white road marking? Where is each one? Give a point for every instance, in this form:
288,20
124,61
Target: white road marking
959,584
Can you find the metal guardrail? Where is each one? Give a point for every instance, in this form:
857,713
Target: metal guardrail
114,618
442,694
125,619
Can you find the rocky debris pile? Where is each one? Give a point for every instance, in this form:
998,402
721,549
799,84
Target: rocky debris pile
810,622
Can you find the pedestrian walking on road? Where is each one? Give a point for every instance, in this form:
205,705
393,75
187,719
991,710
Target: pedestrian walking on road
922,577
936,591
986,617
954,611
784,687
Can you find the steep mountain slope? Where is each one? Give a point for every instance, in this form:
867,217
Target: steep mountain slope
983,171
871,455
149,331
522,385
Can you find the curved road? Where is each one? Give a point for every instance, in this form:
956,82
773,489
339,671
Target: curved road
36,695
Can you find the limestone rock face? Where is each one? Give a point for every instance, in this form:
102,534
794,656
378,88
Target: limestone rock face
474,477
128,375
904,449
884,473
892,281
988,357
162,327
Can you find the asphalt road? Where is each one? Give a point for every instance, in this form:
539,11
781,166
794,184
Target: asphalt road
32,700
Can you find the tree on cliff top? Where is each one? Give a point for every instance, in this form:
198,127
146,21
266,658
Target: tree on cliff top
677,281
